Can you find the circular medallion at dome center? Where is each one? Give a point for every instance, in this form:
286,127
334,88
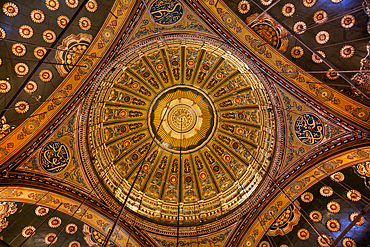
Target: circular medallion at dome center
183,116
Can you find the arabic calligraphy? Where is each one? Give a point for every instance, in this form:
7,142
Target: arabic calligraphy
166,12
309,129
54,157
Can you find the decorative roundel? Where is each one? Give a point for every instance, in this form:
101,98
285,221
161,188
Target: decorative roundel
322,37
52,4
303,234
74,244
62,21
55,222
28,231
299,27
26,31
347,51
21,68
264,244
324,240
1,61
332,75
39,52
354,195
316,58
91,6
18,49
348,242
337,177
71,228
188,179
288,9
72,3
307,197
22,107
10,9
84,23
336,1
266,2
45,75
2,33
320,16
173,179
333,207
50,238
315,216
284,245
41,211
326,191
297,52
333,225
30,87
37,16
353,216
244,7
309,3
49,36
347,21
4,86
203,175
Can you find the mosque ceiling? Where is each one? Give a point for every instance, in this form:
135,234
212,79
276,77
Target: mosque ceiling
207,117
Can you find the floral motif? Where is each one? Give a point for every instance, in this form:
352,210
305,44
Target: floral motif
297,52
4,86
353,216
228,19
354,195
91,6
320,16
337,177
303,234
333,207
316,58
10,9
2,33
307,197
37,16
26,31
72,3
309,3
322,37
300,27
348,242
244,7
22,107
41,211
45,75
288,9
50,238
49,36
264,244
347,21
266,2
326,191
85,23
52,4
30,87
333,225
347,51
324,240
315,216
74,244
18,49
21,68
28,231
39,52
336,1
62,21
71,228
332,75
55,222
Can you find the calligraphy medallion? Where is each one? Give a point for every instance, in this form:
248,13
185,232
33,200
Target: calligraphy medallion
54,157
166,12
309,129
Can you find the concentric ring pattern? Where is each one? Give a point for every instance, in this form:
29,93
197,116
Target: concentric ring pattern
192,99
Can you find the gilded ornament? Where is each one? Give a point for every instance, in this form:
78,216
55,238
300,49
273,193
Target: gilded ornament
307,197
336,1
52,4
353,216
91,6
166,12
333,225
45,75
324,240
74,244
30,87
72,3
320,16
309,3
333,207
39,52
2,33
322,37
26,31
1,61
18,49
354,195
348,242
22,107
337,177
288,9
316,58
303,234
326,191
347,21
332,75
244,7
50,238
37,16
297,52
54,157
49,36
10,9
28,231
41,211
266,2
264,244
62,21
21,68
54,222
309,129
347,51
4,86
85,23
315,216
299,27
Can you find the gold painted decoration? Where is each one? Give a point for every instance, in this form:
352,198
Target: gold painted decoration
4,86
266,2
333,207
303,234
286,221
307,197
26,31
28,231
91,6
244,7
337,177
297,52
10,9
333,225
74,244
22,107
320,16
37,16
52,4
353,216
50,238
324,240
2,33
309,3
300,27
348,242
347,51
71,228
49,36
336,1
322,37
354,195
30,87
315,216
316,58
347,21
288,10
62,21
39,52
85,23
332,74
264,244
45,75
54,222
41,211
72,3
18,49
326,191
54,157
21,68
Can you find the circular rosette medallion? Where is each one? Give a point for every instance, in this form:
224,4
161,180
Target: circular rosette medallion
166,12
188,114
54,157
309,129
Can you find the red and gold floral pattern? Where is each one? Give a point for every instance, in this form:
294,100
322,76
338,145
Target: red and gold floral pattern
309,3
74,244
244,7
62,21
26,31
303,234
315,216
333,225
71,228
91,6
18,49
28,231
326,191
2,33
297,52
299,27
348,21
49,36
39,52
288,9
320,16
37,16
4,86
22,107
45,75
307,197
50,238
332,75
21,68
41,211
264,244
322,37
52,4
55,222
354,195
337,177
10,9
347,51
336,1
348,242
30,87
353,216
324,240
266,2
316,58
85,23
72,3
333,207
